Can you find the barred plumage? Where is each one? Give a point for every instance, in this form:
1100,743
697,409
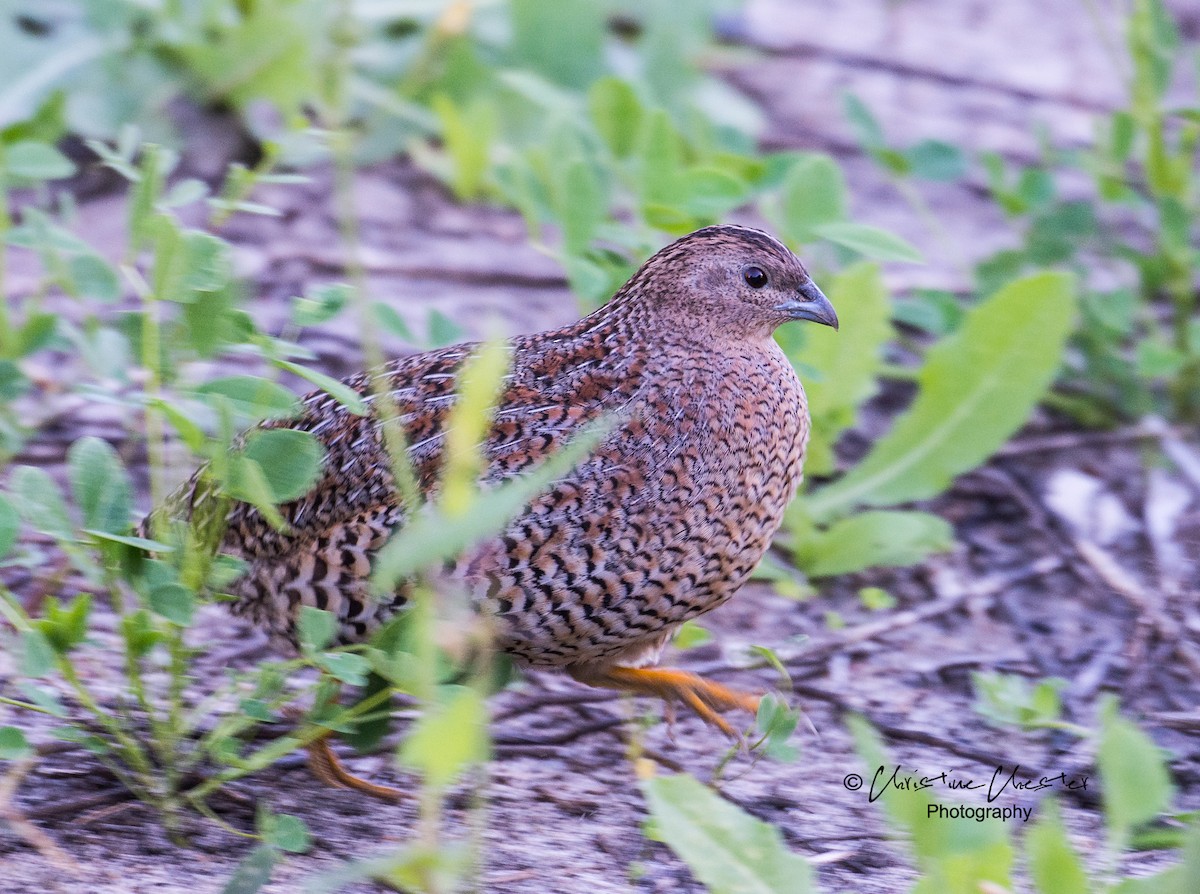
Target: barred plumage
664,521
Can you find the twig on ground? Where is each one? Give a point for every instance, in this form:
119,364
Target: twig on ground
955,594
561,738
1075,440
20,823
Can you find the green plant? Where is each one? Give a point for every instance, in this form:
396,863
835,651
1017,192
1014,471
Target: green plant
1136,347
726,848
967,855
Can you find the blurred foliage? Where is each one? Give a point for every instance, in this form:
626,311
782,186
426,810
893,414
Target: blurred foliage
970,856
1132,241
607,144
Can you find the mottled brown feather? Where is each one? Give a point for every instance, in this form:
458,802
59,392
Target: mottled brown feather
664,521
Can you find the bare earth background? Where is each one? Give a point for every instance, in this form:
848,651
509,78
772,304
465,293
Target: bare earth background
1063,567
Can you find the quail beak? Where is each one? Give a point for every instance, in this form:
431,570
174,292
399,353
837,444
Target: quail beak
810,305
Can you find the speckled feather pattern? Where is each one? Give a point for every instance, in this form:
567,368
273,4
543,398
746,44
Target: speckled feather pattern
663,522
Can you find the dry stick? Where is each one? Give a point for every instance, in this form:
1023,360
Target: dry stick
533,702
379,263
20,824
76,806
1077,440
1184,721
1149,612
989,586
564,737
1096,567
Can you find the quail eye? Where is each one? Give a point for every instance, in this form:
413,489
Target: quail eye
755,277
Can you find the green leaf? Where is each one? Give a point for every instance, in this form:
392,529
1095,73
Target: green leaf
878,538
866,128
13,382
347,667
936,311
689,635
846,362
1056,234
10,525
339,391
13,744
211,320
709,193
366,735
253,396
1053,863
668,218
253,872
442,330
876,599
574,62
320,304
662,159
37,655
775,722
813,194
188,262
727,849
140,633
871,242
617,114
448,738
246,482
45,123
1133,775
1156,359
266,51
100,485
1010,699
65,627
315,628
290,460
935,160
430,537
976,388
285,831
175,602
480,383
185,192
37,233
36,161
584,205
188,431
390,320
1182,878
94,277
1152,38
40,502
37,330
954,857
468,132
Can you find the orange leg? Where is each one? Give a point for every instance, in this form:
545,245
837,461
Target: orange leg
702,696
329,769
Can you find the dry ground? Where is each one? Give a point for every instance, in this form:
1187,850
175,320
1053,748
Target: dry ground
1064,566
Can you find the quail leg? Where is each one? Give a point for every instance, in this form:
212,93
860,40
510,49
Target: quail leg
329,769
702,696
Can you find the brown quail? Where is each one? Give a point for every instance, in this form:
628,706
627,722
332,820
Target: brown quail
663,522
